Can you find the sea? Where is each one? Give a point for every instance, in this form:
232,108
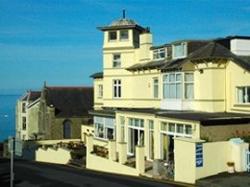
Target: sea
7,115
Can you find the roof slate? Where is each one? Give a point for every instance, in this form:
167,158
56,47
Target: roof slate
97,75
205,118
69,101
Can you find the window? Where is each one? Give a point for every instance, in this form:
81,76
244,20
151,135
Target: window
164,126
243,94
104,128
24,123
100,91
67,129
174,129
124,35
179,50
116,88
156,87
159,53
189,86
122,122
151,124
116,60
180,128
23,107
151,139
171,127
112,35
188,129
134,122
174,85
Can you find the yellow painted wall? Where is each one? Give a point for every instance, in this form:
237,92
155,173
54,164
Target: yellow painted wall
98,101
184,161
236,76
215,158
209,87
216,155
51,155
137,90
102,164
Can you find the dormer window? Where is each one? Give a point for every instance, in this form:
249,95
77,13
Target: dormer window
179,50
159,53
112,35
123,35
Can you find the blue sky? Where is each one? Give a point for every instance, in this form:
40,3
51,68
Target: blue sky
57,40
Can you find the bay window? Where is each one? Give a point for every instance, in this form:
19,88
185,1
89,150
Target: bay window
156,87
189,86
177,83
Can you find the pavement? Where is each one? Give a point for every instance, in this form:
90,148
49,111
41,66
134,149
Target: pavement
35,174
226,180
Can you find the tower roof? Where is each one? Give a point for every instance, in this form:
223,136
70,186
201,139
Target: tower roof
123,23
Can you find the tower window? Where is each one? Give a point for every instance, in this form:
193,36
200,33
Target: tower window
124,35
116,60
112,35
117,88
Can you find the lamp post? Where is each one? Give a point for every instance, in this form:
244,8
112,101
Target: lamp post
11,150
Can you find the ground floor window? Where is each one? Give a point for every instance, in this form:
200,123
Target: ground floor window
176,129
135,134
104,128
167,133
151,138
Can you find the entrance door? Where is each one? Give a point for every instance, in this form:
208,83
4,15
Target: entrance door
136,137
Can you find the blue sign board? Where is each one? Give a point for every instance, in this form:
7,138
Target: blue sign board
199,155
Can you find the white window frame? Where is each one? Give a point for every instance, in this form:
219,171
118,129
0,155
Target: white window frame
155,88
100,91
24,123
105,128
157,53
117,88
184,45
188,83
124,39
244,98
109,33
175,133
122,126
150,130
116,62
166,85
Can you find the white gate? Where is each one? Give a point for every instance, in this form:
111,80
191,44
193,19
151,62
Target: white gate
248,160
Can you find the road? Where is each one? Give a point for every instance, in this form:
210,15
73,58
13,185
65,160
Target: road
29,174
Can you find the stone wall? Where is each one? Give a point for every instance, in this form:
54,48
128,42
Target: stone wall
223,132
